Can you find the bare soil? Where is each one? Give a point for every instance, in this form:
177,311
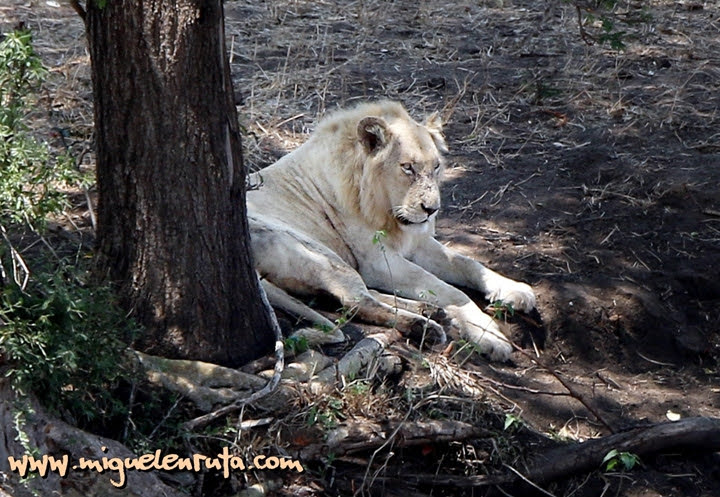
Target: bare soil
588,172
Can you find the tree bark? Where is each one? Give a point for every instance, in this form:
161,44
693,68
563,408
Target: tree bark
172,229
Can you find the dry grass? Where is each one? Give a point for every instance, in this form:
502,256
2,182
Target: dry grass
293,60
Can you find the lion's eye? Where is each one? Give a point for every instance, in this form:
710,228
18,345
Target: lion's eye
408,169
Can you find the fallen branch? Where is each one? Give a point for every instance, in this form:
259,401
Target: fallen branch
691,433
366,435
367,353
695,433
572,391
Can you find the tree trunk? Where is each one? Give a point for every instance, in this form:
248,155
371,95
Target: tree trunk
172,229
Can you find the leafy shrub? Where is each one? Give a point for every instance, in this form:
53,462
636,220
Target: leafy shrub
31,174
65,342
60,339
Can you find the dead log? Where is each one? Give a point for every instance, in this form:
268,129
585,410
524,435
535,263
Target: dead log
691,433
369,353
367,435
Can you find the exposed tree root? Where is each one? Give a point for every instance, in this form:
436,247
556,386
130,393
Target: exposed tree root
369,353
52,437
205,384
210,385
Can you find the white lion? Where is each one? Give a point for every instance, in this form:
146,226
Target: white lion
367,175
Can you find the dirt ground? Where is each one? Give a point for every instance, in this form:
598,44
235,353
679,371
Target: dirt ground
590,173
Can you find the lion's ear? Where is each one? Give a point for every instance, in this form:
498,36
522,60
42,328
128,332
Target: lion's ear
434,125
373,133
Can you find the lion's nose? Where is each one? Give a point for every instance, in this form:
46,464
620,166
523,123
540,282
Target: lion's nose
429,210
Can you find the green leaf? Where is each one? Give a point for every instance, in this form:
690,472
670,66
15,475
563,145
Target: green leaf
378,236
610,455
628,460
624,460
510,421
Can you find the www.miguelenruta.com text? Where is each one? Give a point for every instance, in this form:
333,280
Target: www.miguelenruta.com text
156,461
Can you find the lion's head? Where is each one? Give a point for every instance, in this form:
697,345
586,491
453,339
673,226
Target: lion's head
396,166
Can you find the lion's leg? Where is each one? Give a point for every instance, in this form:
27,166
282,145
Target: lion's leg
374,311
281,299
411,281
414,306
458,269
300,265
425,306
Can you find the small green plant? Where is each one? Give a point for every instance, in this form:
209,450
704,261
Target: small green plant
543,91
378,238
296,344
598,21
346,315
610,35
501,310
359,387
427,295
624,461
327,416
325,328
343,319
512,422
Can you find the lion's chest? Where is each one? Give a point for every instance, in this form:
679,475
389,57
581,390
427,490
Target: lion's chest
318,227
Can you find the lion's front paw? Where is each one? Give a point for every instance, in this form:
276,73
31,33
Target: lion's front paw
490,341
481,330
520,295
499,350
